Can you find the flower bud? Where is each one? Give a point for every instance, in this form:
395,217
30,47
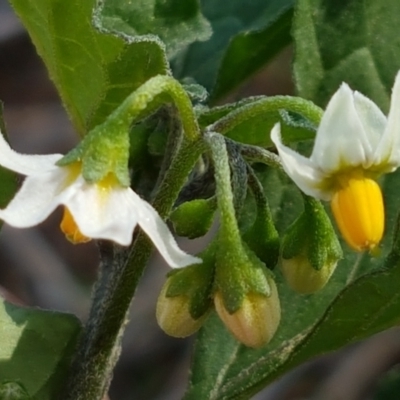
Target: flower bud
302,277
193,218
173,314
257,319
310,250
185,299
246,298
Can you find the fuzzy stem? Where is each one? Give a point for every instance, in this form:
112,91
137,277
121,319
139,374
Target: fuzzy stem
251,110
258,154
120,272
148,98
229,229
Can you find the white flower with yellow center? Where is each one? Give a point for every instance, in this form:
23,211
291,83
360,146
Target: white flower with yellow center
101,210
354,145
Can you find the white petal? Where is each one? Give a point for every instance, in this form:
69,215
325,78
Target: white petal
157,230
114,214
341,140
388,150
36,200
24,163
371,117
300,169
102,214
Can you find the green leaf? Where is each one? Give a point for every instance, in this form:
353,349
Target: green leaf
246,36
93,72
313,324
177,23
356,42
35,351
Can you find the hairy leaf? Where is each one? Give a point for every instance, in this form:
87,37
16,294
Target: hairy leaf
36,349
355,41
93,71
177,23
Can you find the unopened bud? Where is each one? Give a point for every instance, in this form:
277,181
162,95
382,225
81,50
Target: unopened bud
193,219
302,277
185,299
173,314
246,298
310,250
256,321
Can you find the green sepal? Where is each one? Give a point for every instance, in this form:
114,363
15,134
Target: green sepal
263,239
312,235
194,218
195,283
240,272
103,151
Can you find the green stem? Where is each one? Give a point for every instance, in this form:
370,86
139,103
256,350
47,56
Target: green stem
148,98
121,270
258,154
295,104
229,230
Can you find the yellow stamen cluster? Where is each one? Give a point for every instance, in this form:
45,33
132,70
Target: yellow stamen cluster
70,229
359,212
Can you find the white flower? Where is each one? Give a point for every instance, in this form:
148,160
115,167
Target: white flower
355,143
101,210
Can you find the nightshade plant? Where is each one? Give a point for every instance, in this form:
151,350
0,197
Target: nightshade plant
127,71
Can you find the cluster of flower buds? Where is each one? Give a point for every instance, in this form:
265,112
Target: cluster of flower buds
236,282
355,144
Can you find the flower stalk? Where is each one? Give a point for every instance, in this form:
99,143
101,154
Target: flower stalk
121,269
251,110
120,273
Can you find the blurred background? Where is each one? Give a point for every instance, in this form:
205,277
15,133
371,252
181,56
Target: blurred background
39,267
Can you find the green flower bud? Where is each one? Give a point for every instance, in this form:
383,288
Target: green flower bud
246,298
310,249
193,218
173,314
257,319
186,297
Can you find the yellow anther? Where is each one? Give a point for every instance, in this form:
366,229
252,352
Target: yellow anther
71,230
359,212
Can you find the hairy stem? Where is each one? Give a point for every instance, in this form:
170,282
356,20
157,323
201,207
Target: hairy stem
251,110
121,270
